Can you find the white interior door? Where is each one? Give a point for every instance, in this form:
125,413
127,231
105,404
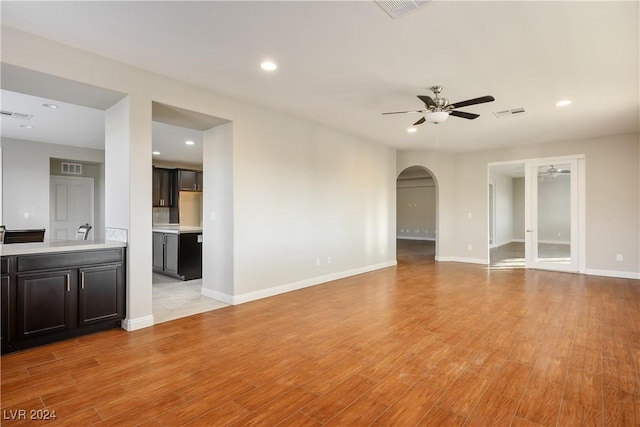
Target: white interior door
71,205
551,215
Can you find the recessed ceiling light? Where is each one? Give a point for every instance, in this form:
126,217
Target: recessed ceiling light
54,106
412,130
189,142
268,66
563,103
156,153
26,126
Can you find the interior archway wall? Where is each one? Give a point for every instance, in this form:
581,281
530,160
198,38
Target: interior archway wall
441,167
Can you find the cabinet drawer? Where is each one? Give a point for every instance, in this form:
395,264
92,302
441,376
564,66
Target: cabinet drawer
68,259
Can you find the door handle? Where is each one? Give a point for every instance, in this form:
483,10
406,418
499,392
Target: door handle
82,279
68,282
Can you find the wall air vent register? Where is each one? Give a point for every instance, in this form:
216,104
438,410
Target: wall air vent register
14,115
398,8
71,168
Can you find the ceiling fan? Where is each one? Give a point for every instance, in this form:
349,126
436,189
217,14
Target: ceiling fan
552,172
438,109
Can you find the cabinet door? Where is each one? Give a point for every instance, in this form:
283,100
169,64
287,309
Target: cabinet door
171,253
5,310
188,180
101,294
46,303
199,180
162,188
158,251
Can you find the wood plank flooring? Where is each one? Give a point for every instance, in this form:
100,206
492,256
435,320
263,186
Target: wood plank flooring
425,343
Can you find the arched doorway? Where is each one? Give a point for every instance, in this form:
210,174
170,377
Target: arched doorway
416,214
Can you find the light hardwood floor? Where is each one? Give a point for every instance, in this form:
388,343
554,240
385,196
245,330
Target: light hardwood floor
425,343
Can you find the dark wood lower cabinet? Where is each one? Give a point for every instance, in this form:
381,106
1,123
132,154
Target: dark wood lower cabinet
44,303
177,255
101,294
5,310
50,297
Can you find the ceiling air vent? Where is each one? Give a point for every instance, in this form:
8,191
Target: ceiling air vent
71,168
14,115
397,8
509,113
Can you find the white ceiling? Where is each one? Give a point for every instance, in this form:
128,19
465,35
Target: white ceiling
344,63
80,126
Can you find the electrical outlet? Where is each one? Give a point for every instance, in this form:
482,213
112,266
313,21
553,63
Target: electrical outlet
328,260
318,261
26,215
619,257
469,246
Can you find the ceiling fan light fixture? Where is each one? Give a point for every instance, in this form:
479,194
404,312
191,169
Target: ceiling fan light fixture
437,116
563,103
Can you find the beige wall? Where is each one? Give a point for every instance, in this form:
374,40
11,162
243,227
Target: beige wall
301,213
26,176
416,209
518,209
503,207
612,198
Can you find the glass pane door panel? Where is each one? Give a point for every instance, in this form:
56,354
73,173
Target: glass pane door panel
554,213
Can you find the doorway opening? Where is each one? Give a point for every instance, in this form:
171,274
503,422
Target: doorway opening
536,214
416,215
177,215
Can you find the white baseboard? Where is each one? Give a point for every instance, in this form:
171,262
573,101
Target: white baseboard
137,323
612,273
281,289
462,259
431,239
209,293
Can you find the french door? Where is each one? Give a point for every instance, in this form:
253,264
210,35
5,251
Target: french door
552,202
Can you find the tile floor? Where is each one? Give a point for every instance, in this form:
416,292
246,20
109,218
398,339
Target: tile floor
174,299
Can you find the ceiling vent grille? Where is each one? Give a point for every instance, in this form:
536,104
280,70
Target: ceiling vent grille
398,8
509,113
14,115
71,168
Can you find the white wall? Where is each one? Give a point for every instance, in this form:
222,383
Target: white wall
612,198
25,170
504,207
441,166
554,210
416,210
300,191
310,203
518,209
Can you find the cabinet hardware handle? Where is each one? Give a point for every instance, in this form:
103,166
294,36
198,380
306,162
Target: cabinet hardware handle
68,282
82,279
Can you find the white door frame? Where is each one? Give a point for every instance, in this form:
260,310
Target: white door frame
579,204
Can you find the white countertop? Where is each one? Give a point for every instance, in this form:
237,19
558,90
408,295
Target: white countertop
57,246
176,229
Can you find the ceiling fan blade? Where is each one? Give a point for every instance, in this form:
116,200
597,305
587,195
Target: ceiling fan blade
464,115
427,101
473,101
403,112
419,122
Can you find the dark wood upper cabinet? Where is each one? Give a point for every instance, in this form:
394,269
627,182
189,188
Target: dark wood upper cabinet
163,187
189,180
